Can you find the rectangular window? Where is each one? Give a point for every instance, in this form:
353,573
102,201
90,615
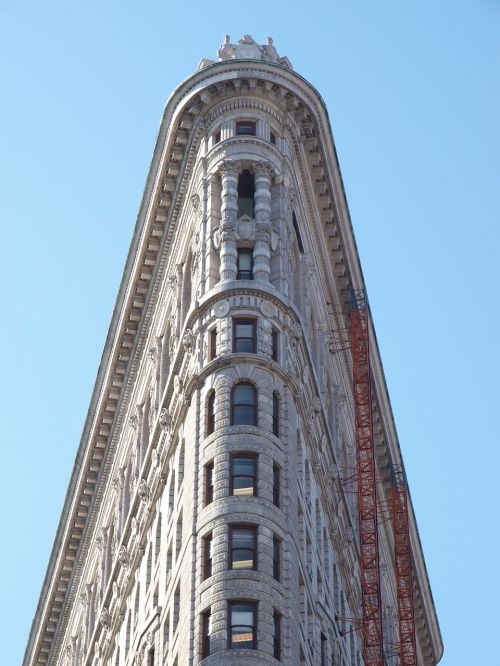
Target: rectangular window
207,556
245,128
217,136
276,557
242,547
277,635
206,630
209,483
272,138
276,414
245,264
242,625
274,344
244,335
276,485
212,344
243,477
151,657
297,233
323,649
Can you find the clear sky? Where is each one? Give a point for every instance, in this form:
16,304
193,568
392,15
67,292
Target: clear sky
413,94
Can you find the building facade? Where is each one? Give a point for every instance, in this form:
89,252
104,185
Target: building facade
211,516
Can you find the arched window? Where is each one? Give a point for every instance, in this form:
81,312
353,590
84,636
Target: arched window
211,413
244,404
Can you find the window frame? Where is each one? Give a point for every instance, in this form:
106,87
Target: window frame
254,626
246,123
245,321
242,526
207,555
247,251
276,484
254,404
277,543
232,475
210,413
274,344
276,414
209,482
212,343
206,618
277,618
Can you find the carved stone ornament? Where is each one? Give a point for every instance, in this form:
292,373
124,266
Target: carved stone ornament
143,490
105,618
177,384
267,308
154,458
295,334
98,543
83,599
133,420
188,341
275,239
165,419
123,556
196,203
216,239
153,354
222,308
172,282
316,405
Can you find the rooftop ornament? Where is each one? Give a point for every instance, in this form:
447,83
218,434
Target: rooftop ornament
247,49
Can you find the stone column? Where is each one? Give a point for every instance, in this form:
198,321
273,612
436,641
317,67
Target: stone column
262,250
228,254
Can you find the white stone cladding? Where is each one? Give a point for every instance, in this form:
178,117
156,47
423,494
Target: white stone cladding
127,580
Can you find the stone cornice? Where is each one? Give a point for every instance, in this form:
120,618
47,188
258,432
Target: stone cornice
164,195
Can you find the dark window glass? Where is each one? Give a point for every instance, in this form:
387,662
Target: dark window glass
244,405
245,128
297,232
212,352
272,138
207,556
242,629
276,485
323,649
217,136
206,630
276,557
277,635
246,193
243,475
151,657
244,335
242,542
274,344
245,264
211,413
209,483
276,414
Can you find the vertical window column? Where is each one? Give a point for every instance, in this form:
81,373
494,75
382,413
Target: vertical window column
228,253
262,214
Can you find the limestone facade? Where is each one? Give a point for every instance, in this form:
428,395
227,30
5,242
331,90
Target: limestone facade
211,517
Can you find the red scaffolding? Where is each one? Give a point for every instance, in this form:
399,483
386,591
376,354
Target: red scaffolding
404,580
367,486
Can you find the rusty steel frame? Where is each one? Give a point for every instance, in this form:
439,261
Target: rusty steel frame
367,486
402,562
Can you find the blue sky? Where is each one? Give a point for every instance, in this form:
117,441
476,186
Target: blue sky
413,94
